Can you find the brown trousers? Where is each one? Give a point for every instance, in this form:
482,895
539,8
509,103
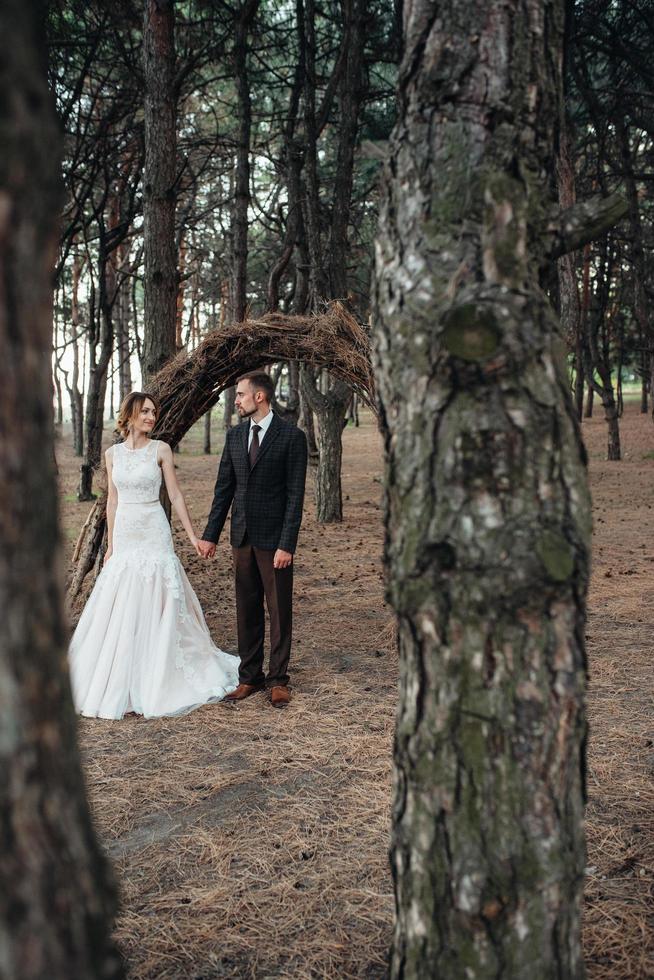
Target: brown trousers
256,578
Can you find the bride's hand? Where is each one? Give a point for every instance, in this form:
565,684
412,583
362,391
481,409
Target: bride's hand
107,556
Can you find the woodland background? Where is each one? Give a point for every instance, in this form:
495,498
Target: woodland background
235,176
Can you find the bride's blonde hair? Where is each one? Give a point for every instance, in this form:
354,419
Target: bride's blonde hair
130,408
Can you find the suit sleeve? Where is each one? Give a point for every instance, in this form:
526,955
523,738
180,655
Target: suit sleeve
296,472
223,495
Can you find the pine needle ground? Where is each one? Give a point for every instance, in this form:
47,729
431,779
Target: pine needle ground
250,843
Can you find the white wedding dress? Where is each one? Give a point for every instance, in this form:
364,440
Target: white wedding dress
142,643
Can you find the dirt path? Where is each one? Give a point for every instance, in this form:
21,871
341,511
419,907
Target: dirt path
252,843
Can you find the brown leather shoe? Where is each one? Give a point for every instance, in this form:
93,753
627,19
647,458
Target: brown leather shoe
280,696
243,691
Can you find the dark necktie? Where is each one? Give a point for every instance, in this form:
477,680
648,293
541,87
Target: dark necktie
254,445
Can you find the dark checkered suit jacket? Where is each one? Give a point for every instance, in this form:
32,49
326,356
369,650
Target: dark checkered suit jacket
267,500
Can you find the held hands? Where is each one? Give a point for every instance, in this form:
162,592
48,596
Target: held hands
282,559
205,549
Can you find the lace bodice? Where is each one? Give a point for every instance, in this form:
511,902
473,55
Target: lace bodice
136,473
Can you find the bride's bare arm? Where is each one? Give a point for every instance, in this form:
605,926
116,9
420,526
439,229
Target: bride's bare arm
112,503
174,493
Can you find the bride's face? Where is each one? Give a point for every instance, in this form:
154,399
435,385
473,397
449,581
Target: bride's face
145,418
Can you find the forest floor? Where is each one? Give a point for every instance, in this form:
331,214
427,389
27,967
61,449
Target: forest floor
252,843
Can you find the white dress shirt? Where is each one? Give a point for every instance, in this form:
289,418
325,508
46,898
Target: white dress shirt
263,424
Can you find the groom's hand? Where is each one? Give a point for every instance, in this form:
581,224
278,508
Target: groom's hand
207,549
282,559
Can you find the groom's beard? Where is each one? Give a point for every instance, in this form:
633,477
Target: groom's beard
246,415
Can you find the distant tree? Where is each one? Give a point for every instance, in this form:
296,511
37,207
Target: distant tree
159,190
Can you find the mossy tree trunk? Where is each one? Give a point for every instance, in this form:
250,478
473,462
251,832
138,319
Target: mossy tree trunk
487,508
55,897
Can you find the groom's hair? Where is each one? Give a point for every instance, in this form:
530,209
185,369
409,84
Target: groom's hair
260,381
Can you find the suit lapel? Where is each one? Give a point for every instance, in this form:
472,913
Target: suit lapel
269,438
243,435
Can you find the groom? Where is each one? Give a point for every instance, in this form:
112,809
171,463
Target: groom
261,475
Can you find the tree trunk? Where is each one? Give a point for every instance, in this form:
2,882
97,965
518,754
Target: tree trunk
307,424
56,899
330,409
56,379
638,265
74,393
179,300
160,280
100,319
353,410
336,397
60,405
579,375
571,324
229,398
206,449
238,286
317,287
644,387
243,24
350,96
597,346
585,303
612,417
486,507
122,329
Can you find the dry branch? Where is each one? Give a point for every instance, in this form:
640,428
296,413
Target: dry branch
581,223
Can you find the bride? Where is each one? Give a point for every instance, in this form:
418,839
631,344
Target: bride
141,644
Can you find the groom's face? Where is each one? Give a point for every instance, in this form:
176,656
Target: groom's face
245,401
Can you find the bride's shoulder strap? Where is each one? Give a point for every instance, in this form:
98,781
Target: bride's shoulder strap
157,453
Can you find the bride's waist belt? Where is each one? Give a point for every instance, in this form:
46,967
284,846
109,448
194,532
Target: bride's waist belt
141,503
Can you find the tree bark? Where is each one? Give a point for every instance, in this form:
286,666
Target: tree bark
56,898
101,330
638,265
597,347
244,20
583,222
239,232
487,508
74,393
56,379
327,405
583,347
206,448
159,196
567,267
350,96
330,408
317,285
123,316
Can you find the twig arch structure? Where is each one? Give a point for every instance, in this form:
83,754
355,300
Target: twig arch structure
192,383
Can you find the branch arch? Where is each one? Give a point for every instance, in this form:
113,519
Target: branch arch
192,383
